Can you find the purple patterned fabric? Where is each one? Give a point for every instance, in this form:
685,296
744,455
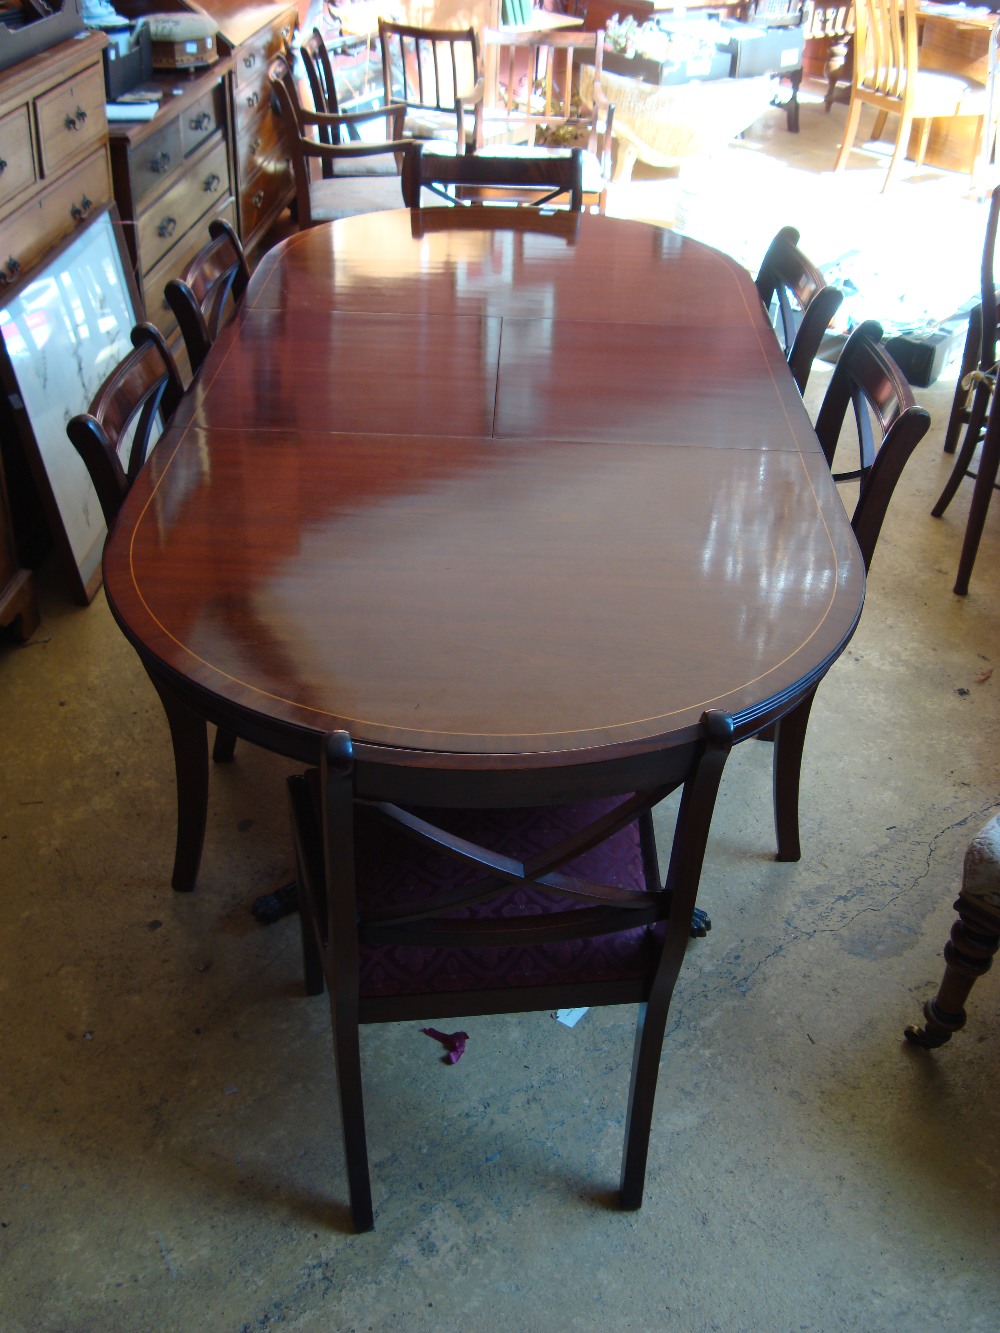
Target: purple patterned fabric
395,872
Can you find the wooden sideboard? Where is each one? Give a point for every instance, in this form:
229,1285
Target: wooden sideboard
54,173
172,175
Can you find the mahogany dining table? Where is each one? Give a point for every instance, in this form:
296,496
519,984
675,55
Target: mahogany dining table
483,486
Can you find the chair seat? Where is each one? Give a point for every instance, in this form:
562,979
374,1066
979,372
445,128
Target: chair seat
981,876
393,874
952,95
347,196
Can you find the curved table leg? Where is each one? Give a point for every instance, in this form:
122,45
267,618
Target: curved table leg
789,742
189,734
968,955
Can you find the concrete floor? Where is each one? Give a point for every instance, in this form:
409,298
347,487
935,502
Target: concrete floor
170,1148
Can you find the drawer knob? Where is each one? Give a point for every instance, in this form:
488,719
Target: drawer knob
255,147
212,183
167,227
160,162
3,166
13,269
75,121
202,122
258,199
79,211
249,61
253,99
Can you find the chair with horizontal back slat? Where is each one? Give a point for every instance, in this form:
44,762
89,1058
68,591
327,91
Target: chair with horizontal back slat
505,176
504,891
802,301
213,283
889,427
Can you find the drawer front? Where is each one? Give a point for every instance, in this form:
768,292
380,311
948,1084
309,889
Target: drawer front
33,230
260,145
251,60
17,163
201,121
173,264
204,181
262,198
252,102
71,119
155,160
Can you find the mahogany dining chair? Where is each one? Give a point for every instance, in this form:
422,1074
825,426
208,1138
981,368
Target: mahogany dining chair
799,300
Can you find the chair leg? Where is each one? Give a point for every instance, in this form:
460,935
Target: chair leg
650,1026
968,955
989,465
925,134
789,742
879,125
970,359
850,131
899,152
347,1050
225,746
974,430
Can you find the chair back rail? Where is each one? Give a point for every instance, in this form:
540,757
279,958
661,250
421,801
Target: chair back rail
531,179
215,280
805,303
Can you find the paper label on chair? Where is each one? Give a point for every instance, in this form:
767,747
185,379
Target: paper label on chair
570,1016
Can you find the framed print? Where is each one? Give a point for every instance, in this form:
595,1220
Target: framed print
63,329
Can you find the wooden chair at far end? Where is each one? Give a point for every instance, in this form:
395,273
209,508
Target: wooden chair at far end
213,283
889,426
436,74
799,301
357,176
977,379
136,400
504,891
887,76
975,939
496,176
548,85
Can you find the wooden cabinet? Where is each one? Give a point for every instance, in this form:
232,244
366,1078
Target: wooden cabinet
254,34
172,176
54,173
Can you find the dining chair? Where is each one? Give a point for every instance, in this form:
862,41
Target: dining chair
359,176
506,176
502,891
975,939
889,426
548,86
213,283
436,74
887,76
125,416
799,301
124,419
977,379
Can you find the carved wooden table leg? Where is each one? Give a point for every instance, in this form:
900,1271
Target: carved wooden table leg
189,734
975,938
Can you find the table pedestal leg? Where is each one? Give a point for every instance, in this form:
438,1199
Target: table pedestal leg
189,734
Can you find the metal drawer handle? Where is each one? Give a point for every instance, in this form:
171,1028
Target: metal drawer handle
167,227
202,122
13,269
255,147
74,122
3,166
79,211
253,99
258,199
249,61
212,183
160,162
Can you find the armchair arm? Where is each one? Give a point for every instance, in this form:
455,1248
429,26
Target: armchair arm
392,112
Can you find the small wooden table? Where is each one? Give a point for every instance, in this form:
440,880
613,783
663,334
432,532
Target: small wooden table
485,487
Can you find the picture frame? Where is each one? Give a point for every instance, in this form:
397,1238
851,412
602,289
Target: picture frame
62,329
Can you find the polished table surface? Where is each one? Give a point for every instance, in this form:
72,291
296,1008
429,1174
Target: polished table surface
464,486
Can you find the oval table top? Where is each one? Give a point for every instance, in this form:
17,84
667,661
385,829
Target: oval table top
486,483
